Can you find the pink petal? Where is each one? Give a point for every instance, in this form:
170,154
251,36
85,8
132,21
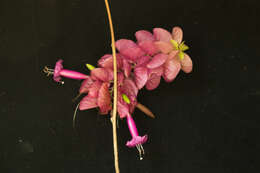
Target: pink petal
186,64
133,53
153,81
123,44
120,78
158,71
122,109
171,69
173,54
87,103
100,74
177,34
149,47
94,89
157,60
126,67
85,85
141,76
142,61
106,61
129,49
110,74
144,35
104,100
129,88
164,47
161,34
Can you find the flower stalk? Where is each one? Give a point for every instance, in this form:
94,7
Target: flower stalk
113,118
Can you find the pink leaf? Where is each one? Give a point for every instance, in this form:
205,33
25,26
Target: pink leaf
129,88
177,34
106,61
149,47
158,71
164,47
153,81
129,49
161,34
142,61
186,64
126,67
85,85
171,69
100,74
104,100
144,35
157,60
141,76
94,89
87,103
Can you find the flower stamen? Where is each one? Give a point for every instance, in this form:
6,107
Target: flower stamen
140,150
48,71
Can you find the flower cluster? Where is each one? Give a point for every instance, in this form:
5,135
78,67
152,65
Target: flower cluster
139,64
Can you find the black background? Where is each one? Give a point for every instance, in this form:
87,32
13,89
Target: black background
207,121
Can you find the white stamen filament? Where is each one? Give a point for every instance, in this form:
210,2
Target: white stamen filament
140,150
48,71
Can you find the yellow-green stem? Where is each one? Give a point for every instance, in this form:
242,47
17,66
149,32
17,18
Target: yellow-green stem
113,118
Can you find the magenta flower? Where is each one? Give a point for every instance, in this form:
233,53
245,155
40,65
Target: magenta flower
59,71
136,140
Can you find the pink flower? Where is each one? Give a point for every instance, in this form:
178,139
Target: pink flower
59,71
130,90
136,140
129,49
171,43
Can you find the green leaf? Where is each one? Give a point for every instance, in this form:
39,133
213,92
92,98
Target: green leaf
181,55
90,67
126,99
183,46
175,44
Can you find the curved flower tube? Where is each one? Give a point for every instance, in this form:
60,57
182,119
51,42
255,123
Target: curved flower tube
136,140
60,71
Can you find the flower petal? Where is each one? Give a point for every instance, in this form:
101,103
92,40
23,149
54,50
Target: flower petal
133,53
129,49
100,74
141,76
106,61
186,64
94,89
104,100
157,60
57,69
144,35
161,34
87,103
164,47
171,69
85,85
177,34
158,71
149,47
129,88
153,81
142,61
126,67
120,78
122,109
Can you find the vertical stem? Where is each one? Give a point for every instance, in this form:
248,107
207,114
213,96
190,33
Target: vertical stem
113,118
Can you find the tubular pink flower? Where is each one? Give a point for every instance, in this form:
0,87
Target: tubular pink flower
136,140
59,71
